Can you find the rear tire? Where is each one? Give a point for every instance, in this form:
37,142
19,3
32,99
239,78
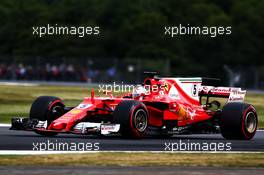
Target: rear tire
238,121
132,116
46,108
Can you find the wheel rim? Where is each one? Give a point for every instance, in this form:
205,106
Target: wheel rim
141,120
56,111
250,122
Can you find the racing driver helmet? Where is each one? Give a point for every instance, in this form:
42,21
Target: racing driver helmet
139,90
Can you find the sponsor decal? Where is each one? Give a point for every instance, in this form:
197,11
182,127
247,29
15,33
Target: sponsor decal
195,90
83,106
76,111
221,90
236,96
173,93
108,127
185,113
190,113
166,86
182,113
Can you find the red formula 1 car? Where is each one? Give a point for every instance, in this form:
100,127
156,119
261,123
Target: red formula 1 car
164,106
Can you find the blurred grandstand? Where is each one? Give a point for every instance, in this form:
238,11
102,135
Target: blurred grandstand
130,71
88,70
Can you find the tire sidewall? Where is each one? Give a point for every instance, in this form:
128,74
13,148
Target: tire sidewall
246,134
232,122
42,106
40,110
124,115
52,105
136,133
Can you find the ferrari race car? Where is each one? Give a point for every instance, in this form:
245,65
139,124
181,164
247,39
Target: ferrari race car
160,106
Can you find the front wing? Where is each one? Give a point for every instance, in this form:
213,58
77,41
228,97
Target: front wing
86,128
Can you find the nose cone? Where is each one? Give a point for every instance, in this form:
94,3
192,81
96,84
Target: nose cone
58,126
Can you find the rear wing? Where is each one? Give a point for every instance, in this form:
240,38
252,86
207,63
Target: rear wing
233,94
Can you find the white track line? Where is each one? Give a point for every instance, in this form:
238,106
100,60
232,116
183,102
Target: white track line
18,84
5,125
18,152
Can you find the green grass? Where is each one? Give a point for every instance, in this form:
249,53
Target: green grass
137,159
16,100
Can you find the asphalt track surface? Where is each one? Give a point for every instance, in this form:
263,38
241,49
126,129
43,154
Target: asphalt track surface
128,170
25,140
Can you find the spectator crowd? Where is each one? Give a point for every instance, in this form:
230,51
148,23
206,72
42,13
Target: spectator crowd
52,72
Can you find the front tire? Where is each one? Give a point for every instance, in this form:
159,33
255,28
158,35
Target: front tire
46,108
132,116
238,121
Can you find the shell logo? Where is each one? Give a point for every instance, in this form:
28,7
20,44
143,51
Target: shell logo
76,111
182,113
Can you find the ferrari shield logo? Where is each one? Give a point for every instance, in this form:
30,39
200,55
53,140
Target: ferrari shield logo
166,86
